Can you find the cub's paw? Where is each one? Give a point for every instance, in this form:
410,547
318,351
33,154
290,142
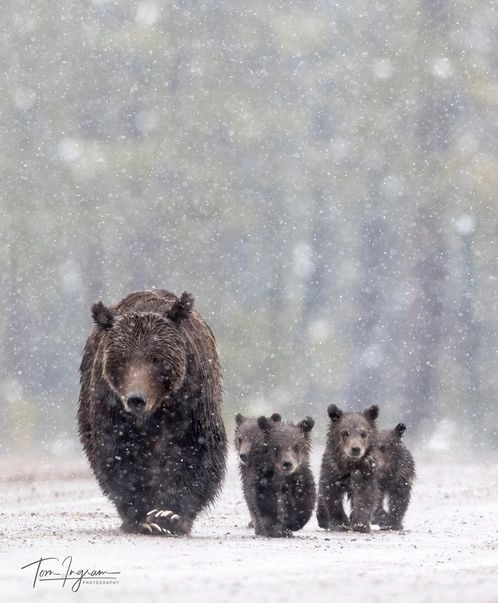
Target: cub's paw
361,527
338,527
380,517
390,526
281,533
160,522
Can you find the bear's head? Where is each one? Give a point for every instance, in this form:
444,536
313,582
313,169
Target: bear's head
248,437
144,354
288,444
353,432
388,444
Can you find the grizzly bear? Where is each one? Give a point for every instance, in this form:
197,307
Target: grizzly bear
278,484
348,470
396,473
250,447
149,413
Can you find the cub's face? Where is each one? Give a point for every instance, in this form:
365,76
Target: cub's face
288,444
355,433
355,436
144,361
247,437
249,441
289,447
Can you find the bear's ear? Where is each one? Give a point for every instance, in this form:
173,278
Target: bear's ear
334,412
265,424
239,419
276,417
399,430
371,413
102,316
182,307
306,424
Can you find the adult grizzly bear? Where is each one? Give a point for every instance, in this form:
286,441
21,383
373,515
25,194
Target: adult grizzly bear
349,469
396,473
149,410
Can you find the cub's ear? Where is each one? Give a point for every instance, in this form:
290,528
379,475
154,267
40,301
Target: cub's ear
239,419
265,424
102,316
182,307
371,413
306,424
399,430
276,417
334,412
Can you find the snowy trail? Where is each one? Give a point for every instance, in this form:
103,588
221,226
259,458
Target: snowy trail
448,553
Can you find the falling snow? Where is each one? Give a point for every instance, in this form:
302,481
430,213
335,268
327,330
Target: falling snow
322,177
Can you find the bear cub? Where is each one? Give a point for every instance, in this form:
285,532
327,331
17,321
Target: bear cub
396,473
349,470
249,444
276,476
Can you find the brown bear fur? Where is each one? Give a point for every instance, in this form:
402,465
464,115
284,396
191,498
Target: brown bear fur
277,481
396,473
149,412
251,449
348,470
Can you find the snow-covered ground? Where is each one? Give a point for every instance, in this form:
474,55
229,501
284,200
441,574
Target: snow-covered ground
447,554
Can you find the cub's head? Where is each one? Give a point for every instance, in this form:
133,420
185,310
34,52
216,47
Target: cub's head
248,437
288,445
353,432
144,355
388,444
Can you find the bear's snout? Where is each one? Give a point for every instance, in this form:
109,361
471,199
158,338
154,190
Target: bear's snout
355,451
288,463
287,466
243,456
135,402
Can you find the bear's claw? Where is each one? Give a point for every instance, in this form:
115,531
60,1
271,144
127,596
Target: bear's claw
153,528
160,521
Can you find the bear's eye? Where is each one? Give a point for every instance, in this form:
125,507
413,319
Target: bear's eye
240,441
363,435
156,361
345,434
382,448
295,448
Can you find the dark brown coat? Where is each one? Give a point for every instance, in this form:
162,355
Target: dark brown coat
149,412
396,473
276,477
348,470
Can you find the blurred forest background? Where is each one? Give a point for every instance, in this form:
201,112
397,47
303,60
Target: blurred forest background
322,176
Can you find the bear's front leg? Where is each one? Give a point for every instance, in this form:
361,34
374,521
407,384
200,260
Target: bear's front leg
330,510
398,499
364,493
266,513
379,513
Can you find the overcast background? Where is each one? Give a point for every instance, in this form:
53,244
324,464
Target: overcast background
321,176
